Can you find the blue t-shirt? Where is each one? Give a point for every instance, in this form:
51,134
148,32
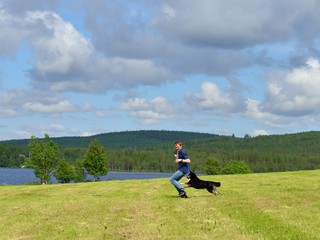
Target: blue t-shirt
183,167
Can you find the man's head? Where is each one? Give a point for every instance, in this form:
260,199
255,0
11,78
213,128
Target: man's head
178,145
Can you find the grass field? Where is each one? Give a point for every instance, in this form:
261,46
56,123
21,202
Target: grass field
253,206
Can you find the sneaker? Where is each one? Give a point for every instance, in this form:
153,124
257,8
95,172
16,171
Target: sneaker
182,194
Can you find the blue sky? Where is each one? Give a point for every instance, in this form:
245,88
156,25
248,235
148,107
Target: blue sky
84,67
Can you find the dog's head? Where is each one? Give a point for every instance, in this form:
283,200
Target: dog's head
191,175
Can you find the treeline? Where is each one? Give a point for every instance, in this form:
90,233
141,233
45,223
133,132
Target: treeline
122,140
12,156
274,153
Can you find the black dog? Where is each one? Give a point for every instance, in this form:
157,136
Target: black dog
197,183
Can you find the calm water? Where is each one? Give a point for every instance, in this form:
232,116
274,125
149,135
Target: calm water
20,176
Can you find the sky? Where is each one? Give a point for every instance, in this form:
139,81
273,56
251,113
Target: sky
85,67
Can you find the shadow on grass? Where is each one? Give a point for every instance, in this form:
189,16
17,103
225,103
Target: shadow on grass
171,196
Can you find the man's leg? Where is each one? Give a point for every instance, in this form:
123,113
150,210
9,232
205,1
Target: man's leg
174,180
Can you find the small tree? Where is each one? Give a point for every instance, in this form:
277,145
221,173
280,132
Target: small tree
42,156
64,172
95,160
237,167
81,174
212,166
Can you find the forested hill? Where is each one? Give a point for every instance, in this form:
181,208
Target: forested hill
152,150
126,139
296,142
163,139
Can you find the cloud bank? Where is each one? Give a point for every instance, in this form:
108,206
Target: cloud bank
100,48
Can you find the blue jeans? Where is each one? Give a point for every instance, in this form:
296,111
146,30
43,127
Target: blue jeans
175,178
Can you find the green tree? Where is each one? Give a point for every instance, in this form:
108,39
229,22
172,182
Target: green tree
42,157
212,166
236,167
64,172
81,174
95,160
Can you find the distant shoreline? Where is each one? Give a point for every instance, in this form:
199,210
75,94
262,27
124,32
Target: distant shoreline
21,176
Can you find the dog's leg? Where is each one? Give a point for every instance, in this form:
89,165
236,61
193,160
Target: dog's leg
215,191
186,185
212,190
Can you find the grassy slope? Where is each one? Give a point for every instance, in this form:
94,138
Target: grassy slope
255,206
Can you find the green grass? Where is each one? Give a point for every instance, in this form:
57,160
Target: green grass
253,206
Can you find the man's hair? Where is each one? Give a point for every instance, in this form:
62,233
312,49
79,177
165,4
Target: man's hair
178,142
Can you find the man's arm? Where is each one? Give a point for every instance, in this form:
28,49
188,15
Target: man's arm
183,160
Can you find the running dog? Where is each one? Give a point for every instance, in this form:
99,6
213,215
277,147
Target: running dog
197,183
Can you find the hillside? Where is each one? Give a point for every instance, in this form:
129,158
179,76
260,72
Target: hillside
162,139
304,141
152,150
127,139
253,207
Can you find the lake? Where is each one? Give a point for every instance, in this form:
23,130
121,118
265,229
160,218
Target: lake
21,176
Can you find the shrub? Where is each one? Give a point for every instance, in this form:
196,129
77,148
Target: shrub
236,167
212,166
64,172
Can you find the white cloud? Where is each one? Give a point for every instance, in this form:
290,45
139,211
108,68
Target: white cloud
62,46
11,32
87,107
230,24
221,131
108,46
255,111
100,114
21,102
212,99
260,132
150,122
43,128
52,130
151,111
66,61
87,134
21,133
296,93
59,107
8,113
148,114
63,106
134,104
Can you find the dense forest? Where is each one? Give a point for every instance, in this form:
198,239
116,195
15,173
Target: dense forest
126,139
153,150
